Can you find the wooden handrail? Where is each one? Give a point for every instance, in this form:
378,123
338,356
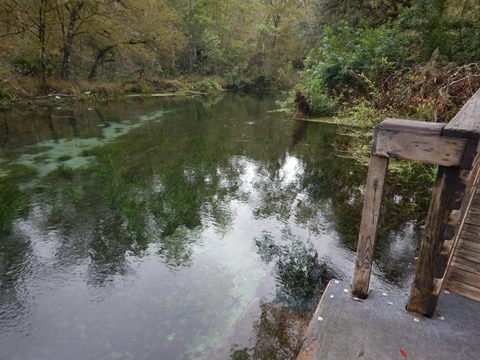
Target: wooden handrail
466,124
454,148
417,141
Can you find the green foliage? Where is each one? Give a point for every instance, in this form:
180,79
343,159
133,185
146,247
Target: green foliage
347,55
363,115
319,102
348,62
392,62
358,13
349,47
208,86
249,43
452,27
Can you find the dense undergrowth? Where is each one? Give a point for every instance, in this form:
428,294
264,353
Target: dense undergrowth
424,64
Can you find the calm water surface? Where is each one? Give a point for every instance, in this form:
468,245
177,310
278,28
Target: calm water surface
177,229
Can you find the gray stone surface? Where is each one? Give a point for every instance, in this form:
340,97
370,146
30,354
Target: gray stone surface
379,327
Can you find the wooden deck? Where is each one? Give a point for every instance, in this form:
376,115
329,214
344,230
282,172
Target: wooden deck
463,276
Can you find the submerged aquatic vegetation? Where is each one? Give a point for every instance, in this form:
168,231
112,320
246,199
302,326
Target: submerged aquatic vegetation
13,204
14,197
18,172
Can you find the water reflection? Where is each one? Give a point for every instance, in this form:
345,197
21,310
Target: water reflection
279,332
300,276
153,229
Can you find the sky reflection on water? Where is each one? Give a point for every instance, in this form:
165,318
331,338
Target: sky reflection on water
176,229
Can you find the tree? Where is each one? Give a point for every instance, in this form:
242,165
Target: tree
70,29
35,19
139,36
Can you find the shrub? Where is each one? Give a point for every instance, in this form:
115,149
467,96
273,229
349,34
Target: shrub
319,103
208,86
349,63
348,56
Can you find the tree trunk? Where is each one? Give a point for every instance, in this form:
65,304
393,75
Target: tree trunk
99,59
71,33
42,39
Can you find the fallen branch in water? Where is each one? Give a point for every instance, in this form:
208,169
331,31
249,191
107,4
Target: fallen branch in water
185,93
52,95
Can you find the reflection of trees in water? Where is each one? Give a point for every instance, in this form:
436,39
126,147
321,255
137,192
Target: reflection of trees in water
154,185
13,252
177,249
333,184
13,268
13,204
336,182
108,247
165,181
278,335
162,182
301,277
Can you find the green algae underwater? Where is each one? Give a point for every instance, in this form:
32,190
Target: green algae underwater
185,228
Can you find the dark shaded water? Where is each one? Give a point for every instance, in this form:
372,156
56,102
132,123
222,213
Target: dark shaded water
177,229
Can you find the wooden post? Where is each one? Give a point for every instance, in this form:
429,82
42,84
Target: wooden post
424,295
377,171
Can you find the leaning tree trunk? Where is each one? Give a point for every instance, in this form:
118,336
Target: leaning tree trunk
100,59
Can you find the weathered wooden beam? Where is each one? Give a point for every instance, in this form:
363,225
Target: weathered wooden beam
426,148
472,292
469,154
466,123
464,277
467,265
412,126
377,171
425,289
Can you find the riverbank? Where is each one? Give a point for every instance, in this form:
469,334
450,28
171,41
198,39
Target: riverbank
21,91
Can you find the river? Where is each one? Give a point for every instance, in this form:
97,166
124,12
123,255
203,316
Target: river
177,229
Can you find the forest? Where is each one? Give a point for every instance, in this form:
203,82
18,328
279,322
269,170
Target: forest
417,58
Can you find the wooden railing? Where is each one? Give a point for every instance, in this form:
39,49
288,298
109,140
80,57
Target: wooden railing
454,147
